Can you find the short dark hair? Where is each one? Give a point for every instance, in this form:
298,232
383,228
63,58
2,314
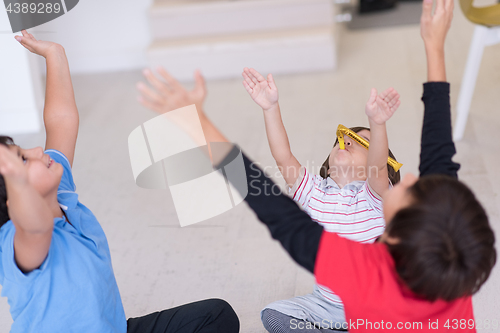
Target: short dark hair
446,245
394,176
4,214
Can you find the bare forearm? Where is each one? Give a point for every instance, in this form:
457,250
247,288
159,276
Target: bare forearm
34,224
59,95
436,70
377,158
212,134
276,135
28,210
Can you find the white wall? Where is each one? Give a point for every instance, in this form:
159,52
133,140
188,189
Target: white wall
19,96
98,36
102,35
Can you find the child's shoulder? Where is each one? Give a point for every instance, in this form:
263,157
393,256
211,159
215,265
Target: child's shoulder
60,158
67,183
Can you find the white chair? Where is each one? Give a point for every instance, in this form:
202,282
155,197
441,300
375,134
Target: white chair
487,33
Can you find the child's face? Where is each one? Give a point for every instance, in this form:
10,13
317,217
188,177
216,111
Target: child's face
44,174
352,160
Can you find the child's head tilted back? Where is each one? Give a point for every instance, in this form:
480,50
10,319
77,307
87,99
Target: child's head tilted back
42,173
4,214
439,237
353,160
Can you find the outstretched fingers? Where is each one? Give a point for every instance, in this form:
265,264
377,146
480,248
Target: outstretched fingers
427,10
373,96
199,80
252,76
440,5
200,86
390,96
247,87
386,93
444,6
384,108
149,93
395,106
150,105
169,79
26,40
248,80
272,84
390,107
449,5
28,35
159,85
257,75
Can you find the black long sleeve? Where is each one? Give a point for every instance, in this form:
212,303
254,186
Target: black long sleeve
437,147
288,224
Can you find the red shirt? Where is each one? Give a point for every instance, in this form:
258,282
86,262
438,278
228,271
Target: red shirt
375,299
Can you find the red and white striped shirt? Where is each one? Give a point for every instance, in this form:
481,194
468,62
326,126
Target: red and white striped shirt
353,212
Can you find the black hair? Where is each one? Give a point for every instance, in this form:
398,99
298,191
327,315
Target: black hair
445,247
4,214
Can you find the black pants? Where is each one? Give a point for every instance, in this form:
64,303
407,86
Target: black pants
208,316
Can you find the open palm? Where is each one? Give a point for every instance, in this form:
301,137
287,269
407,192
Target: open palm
167,94
380,108
39,47
263,92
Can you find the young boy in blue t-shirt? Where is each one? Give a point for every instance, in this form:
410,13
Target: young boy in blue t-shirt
55,263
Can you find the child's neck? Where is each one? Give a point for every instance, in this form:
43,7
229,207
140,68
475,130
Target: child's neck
53,204
342,180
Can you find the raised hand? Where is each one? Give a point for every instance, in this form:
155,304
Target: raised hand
168,94
434,28
263,92
380,108
40,47
11,167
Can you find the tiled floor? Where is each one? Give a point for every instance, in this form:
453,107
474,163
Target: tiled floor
159,265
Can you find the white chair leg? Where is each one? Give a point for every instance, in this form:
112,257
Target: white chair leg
469,80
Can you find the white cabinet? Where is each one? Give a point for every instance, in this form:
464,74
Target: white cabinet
19,92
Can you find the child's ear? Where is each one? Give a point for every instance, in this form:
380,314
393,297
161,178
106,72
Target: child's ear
7,203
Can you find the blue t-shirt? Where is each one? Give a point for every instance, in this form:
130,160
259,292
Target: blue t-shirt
74,290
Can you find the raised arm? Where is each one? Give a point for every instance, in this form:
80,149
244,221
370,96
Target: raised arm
437,147
28,211
167,94
60,113
285,220
265,94
379,109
